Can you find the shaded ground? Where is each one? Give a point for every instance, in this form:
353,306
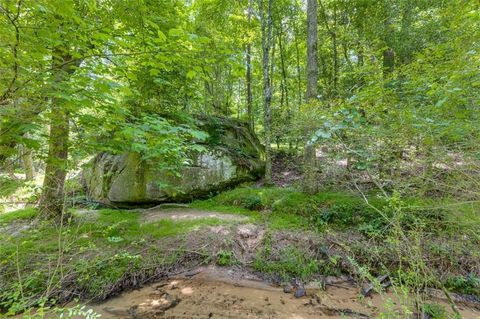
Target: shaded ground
286,169
110,252
222,293
156,214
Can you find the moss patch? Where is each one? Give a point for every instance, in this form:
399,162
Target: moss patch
99,256
21,214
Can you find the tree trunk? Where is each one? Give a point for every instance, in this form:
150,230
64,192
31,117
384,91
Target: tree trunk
312,54
388,34
284,70
52,199
51,205
335,52
299,72
267,25
312,90
27,162
249,75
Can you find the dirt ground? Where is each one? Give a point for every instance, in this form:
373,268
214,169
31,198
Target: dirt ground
178,214
215,292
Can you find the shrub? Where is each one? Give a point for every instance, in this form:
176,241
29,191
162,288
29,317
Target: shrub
225,258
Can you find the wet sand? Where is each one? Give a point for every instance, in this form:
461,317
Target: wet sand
215,293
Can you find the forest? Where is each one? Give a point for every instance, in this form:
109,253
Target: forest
240,159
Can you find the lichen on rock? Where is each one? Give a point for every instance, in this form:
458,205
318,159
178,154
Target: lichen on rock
232,155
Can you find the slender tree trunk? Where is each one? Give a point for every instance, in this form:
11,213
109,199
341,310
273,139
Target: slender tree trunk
285,97
27,160
388,32
312,54
267,26
249,75
272,63
335,52
284,70
52,199
312,90
299,72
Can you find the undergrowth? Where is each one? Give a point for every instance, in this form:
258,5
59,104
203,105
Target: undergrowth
418,242
91,257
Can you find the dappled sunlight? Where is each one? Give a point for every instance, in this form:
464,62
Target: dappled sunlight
187,291
240,159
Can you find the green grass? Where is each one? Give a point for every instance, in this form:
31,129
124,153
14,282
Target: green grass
294,262
166,228
123,227
291,209
21,214
102,250
98,252
251,198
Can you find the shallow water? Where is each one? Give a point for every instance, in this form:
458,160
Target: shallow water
216,293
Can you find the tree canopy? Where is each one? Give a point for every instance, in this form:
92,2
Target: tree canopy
104,75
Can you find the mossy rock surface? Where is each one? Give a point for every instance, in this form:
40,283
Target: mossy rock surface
233,155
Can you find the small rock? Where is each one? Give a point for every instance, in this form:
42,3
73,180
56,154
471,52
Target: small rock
386,284
246,231
332,280
161,286
300,292
116,312
193,272
367,288
288,288
154,308
426,316
313,287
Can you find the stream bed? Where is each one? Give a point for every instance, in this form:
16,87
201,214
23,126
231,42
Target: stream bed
218,293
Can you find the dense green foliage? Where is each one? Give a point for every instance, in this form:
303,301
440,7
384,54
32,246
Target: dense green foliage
110,249
130,61
383,156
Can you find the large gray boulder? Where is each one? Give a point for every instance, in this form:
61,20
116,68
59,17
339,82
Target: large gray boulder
232,155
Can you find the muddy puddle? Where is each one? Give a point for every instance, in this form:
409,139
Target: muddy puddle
216,293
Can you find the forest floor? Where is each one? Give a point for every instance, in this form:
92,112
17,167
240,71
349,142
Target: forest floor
234,255
260,248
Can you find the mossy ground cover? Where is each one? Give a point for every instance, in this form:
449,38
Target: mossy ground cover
329,233
88,257
402,236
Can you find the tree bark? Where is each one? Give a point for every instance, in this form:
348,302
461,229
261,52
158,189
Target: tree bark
299,71
267,26
249,75
52,200
284,70
27,162
335,52
312,54
312,90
